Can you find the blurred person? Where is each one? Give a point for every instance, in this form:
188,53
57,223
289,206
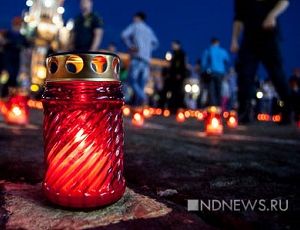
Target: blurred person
141,41
2,42
260,43
197,68
294,82
166,88
88,29
215,62
197,74
232,80
225,94
178,73
268,95
14,42
295,78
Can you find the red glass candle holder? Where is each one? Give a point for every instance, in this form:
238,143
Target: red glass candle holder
15,110
137,119
83,130
146,113
126,111
232,120
180,117
213,122
166,113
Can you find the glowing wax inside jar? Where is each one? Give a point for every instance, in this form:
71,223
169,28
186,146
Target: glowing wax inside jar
126,111
213,125
180,117
137,120
166,113
146,113
16,110
232,120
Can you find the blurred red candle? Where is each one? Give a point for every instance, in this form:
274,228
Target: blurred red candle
83,130
232,120
158,111
213,122
200,115
276,118
2,107
187,114
126,111
137,119
180,117
146,113
16,111
166,113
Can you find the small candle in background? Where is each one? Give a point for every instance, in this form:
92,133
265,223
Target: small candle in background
137,119
199,115
126,111
146,113
232,120
180,117
213,121
166,113
16,109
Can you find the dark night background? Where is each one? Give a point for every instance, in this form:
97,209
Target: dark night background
193,22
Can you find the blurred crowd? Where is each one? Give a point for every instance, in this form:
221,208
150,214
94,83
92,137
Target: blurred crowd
214,79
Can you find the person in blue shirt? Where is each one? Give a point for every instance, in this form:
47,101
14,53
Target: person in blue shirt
141,41
215,62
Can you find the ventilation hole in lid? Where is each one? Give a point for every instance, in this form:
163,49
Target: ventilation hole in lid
99,64
74,64
116,65
52,65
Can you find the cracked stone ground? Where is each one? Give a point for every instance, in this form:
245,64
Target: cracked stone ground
260,161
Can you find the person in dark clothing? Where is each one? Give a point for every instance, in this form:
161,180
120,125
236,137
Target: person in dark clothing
163,94
177,73
13,44
294,82
260,43
2,42
87,33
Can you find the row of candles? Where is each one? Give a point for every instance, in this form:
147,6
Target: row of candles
16,111
211,116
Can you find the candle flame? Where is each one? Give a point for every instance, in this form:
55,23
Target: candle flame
214,122
16,111
166,113
126,111
146,112
180,117
232,120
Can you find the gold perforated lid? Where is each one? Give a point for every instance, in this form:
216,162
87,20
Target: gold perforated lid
88,66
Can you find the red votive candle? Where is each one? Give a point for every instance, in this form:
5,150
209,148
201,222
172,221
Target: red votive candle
137,119
213,122
232,120
83,130
16,111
